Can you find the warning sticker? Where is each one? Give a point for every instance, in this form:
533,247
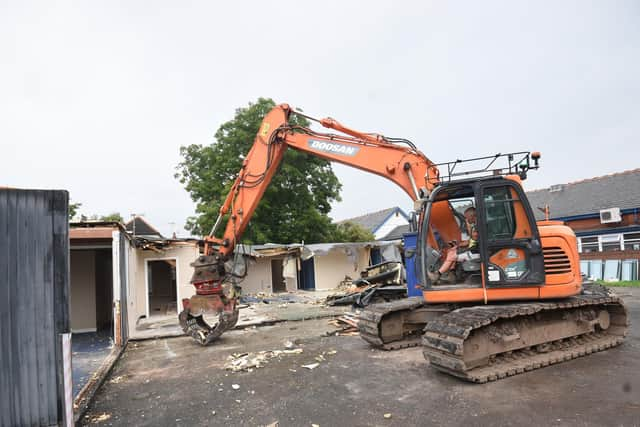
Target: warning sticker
494,275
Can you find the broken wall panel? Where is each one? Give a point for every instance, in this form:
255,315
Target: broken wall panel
34,304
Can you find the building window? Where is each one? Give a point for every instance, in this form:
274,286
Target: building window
612,270
611,242
589,244
584,268
629,269
632,241
595,269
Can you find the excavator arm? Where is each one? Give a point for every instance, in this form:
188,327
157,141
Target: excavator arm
403,164
395,159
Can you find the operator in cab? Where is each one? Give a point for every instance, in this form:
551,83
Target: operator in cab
465,250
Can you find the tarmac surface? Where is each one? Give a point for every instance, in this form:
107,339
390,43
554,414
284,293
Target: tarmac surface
174,381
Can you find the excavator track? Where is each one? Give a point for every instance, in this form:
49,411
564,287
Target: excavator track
486,343
397,324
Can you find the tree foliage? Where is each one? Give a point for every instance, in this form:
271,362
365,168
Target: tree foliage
73,209
295,205
112,217
351,232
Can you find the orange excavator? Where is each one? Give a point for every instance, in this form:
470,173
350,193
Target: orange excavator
512,300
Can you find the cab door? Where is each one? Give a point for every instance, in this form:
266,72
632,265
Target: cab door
509,239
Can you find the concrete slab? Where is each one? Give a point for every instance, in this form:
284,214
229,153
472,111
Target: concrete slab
300,305
177,382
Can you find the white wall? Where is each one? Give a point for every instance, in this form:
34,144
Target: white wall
184,253
83,290
258,278
291,265
391,223
331,269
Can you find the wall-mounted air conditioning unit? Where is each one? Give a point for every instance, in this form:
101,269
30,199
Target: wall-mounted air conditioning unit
610,215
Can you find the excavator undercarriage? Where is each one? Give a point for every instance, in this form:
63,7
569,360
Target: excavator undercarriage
487,342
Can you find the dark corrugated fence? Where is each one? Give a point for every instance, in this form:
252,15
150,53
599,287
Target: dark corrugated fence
34,305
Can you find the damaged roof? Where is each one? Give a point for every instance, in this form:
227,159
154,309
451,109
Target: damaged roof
588,196
93,230
274,249
139,226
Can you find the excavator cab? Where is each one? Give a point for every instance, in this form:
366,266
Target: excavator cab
479,233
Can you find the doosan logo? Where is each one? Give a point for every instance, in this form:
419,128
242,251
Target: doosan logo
332,147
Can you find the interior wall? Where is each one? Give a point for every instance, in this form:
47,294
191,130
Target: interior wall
258,278
82,290
291,273
162,279
104,288
332,268
161,287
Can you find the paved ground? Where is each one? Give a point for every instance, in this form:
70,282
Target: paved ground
175,382
89,353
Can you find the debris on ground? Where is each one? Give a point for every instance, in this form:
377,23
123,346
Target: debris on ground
247,362
377,283
346,288
98,418
118,379
319,358
282,299
235,386
387,415
347,324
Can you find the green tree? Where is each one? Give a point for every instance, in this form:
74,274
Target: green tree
73,209
351,232
294,206
112,217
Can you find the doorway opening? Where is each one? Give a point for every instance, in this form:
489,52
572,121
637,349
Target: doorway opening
306,275
162,293
277,276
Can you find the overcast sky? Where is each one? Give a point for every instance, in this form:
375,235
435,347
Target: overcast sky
97,97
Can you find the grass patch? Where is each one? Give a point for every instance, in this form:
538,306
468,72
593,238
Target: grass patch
622,284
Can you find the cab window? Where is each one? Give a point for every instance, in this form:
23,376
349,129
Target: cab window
499,213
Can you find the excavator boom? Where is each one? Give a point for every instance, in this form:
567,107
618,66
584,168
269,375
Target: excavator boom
403,164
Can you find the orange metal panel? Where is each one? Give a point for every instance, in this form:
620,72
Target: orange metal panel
477,294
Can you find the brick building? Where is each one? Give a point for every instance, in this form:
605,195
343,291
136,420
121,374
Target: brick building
604,212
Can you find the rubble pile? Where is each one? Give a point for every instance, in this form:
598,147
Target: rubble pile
347,324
